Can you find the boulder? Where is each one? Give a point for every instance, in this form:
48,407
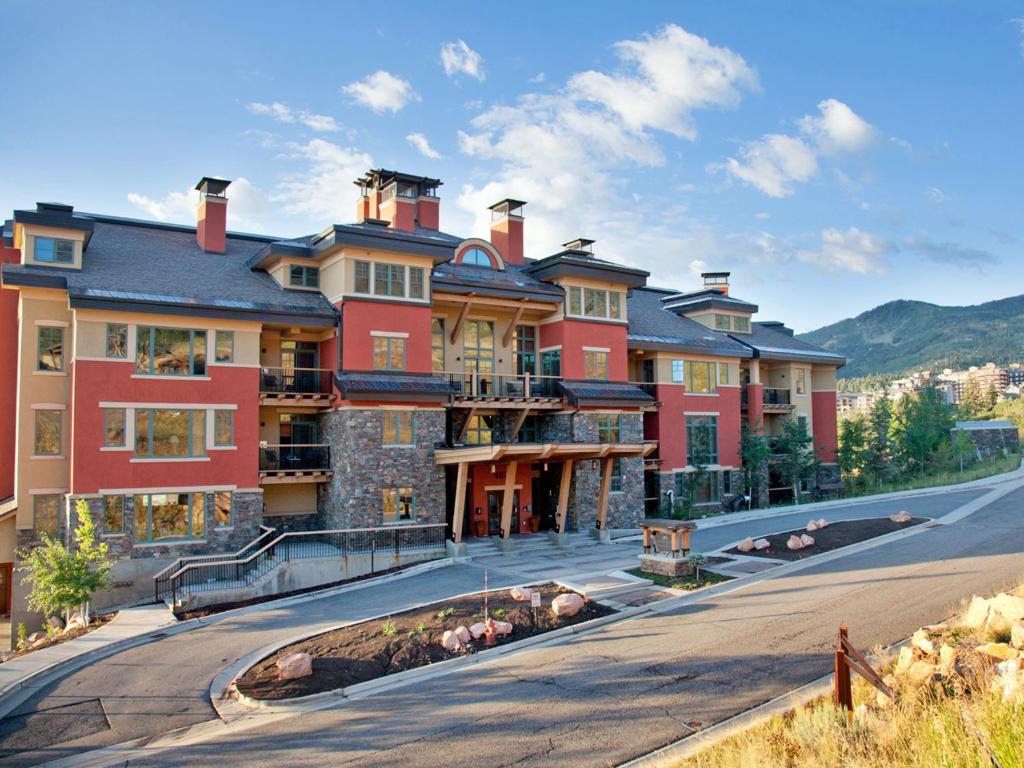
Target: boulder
795,543
747,545
1010,607
56,622
922,643
294,665
822,523
919,672
521,594
450,642
904,661
35,638
1009,680
762,544
812,526
1017,635
567,604
477,630
976,614
502,628
947,658
900,517
463,635
807,541
1001,651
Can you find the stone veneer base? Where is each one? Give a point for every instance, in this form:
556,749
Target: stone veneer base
665,565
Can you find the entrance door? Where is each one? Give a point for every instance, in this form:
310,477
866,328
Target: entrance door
6,572
545,496
494,512
298,359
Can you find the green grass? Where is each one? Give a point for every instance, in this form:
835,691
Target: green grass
687,583
952,477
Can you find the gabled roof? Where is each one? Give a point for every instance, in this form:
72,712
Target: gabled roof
651,326
515,282
707,298
771,340
579,263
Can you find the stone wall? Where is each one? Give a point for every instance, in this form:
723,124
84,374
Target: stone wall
625,507
363,466
292,523
675,482
994,442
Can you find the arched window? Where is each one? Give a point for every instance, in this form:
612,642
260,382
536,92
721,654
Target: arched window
478,257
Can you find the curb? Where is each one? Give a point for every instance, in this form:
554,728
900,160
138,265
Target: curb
14,694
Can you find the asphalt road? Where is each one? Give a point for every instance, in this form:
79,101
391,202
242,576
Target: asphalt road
615,694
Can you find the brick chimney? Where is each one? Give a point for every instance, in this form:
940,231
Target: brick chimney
717,281
212,218
404,201
507,229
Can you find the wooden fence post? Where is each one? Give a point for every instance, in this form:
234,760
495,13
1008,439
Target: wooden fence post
843,686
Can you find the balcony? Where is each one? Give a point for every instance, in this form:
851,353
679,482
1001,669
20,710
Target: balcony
473,390
296,386
774,400
295,463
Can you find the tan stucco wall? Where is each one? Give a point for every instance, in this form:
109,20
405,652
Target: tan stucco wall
289,498
25,239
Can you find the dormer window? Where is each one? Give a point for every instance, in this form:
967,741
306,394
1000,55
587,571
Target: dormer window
477,257
52,250
303,277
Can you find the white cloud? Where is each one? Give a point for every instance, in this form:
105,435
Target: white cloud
381,92
321,189
458,57
837,128
248,206
538,78
935,195
762,216
851,251
285,114
422,145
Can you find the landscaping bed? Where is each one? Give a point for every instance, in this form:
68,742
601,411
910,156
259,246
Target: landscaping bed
407,640
96,621
834,536
688,583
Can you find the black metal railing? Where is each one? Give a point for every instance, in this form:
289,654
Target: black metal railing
502,385
382,545
163,578
774,396
647,387
296,381
294,458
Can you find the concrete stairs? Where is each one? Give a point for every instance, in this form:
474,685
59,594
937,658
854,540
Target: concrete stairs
528,545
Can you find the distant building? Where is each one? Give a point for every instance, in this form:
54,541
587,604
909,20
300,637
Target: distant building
992,437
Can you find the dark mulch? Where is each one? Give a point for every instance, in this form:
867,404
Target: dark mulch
834,536
96,621
369,650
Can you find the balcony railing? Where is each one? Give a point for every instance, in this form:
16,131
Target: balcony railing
647,387
503,385
774,396
296,381
294,458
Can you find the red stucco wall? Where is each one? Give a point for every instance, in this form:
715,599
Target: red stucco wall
668,425
574,335
481,477
359,318
823,417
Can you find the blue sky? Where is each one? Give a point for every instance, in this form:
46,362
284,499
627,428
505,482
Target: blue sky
833,156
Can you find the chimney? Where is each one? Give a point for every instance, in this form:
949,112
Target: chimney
212,220
405,202
507,229
716,281
580,245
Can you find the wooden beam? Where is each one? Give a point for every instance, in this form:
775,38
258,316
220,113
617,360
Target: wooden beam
518,424
506,499
457,328
602,499
563,494
465,424
460,501
512,326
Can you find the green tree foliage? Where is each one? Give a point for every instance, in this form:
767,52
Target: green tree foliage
1011,410
755,451
919,430
62,580
974,404
963,448
878,456
794,455
852,454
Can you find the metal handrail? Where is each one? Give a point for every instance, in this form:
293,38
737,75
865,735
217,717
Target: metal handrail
501,385
776,396
165,574
296,381
288,457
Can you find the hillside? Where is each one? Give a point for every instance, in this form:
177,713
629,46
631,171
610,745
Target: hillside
914,335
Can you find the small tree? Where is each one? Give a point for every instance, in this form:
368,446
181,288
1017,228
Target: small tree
755,451
852,455
697,560
963,446
63,580
796,459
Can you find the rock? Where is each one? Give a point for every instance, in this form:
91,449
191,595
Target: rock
521,594
35,638
881,700
567,604
463,635
900,517
477,630
1010,607
947,658
450,641
920,672
904,661
822,522
922,643
976,614
1009,680
762,544
1017,635
807,541
502,628
747,545
812,526
56,622
1001,651
794,543
294,665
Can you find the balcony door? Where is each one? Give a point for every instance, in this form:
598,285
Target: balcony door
478,353
298,358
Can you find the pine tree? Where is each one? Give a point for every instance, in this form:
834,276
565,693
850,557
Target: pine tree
878,458
755,451
795,455
852,453
973,404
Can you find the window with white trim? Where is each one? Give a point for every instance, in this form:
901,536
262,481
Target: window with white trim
47,432
223,428
170,516
170,351
224,346
398,427
399,505
166,433
50,348
54,250
594,303
45,514
388,353
595,364
117,340
300,276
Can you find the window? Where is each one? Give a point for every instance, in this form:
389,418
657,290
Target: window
529,432
437,344
616,479
608,428
741,324
701,440
398,427
575,300
595,364
595,302
113,427
113,514
708,489
389,280
478,257
551,363
50,345
52,250
524,347
225,347
45,511
723,373
388,353
223,428
398,504
362,283
677,371
47,442
223,509
303,277
167,433
723,323
701,378
170,351
479,430
169,516
615,305
117,340
415,282
478,349
801,381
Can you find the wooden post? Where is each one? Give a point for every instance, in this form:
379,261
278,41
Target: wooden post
460,501
506,499
843,686
674,536
686,541
602,499
563,494
647,540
